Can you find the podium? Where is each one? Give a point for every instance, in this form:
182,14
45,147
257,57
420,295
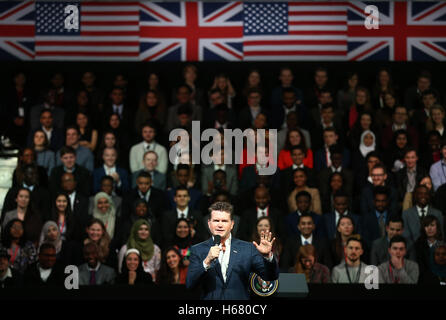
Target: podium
292,285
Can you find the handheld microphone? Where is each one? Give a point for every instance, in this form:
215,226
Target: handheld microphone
217,240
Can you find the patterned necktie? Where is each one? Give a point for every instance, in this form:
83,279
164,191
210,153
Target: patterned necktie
93,277
382,225
423,213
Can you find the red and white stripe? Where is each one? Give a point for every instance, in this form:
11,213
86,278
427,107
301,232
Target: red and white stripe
316,31
109,32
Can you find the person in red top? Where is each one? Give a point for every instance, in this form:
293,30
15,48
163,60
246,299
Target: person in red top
362,103
294,138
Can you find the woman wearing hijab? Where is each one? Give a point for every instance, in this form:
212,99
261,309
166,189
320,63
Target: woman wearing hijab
141,240
51,234
132,271
367,144
104,210
183,239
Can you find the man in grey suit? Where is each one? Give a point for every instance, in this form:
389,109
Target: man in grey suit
380,247
94,273
148,132
48,104
421,208
207,176
150,162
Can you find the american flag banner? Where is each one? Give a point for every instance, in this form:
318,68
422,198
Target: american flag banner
191,31
17,30
295,31
107,31
408,31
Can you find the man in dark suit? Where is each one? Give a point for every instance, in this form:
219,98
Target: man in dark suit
306,227
117,105
55,135
324,117
263,208
336,157
182,175
40,197
286,175
120,176
155,198
82,175
413,95
375,220
341,208
322,158
249,113
380,247
422,207
207,176
400,121
379,178
303,202
410,175
420,115
45,272
223,270
290,104
79,203
48,104
182,210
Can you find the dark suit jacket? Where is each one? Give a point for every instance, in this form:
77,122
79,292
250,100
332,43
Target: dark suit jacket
207,172
126,117
249,178
366,199
98,173
402,179
370,230
244,259
32,277
249,218
292,246
55,143
81,175
286,179
320,159
157,202
324,180
169,219
194,194
292,220
158,181
329,224
277,116
245,117
40,199
80,212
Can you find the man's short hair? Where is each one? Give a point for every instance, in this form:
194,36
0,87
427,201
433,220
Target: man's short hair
357,239
150,123
330,129
184,109
221,206
326,106
66,149
380,166
215,90
395,219
44,111
288,90
144,174
396,239
150,151
185,85
183,166
181,188
410,149
45,246
429,92
303,194
306,215
107,178
73,127
380,190
254,90
373,154
399,107
298,147
340,194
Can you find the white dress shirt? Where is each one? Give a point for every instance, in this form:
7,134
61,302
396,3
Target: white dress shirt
262,212
72,197
420,214
45,273
185,212
309,240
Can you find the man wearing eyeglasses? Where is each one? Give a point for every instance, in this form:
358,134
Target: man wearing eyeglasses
379,178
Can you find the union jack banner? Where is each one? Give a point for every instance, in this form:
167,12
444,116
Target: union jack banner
191,31
230,31
17,30
408,31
